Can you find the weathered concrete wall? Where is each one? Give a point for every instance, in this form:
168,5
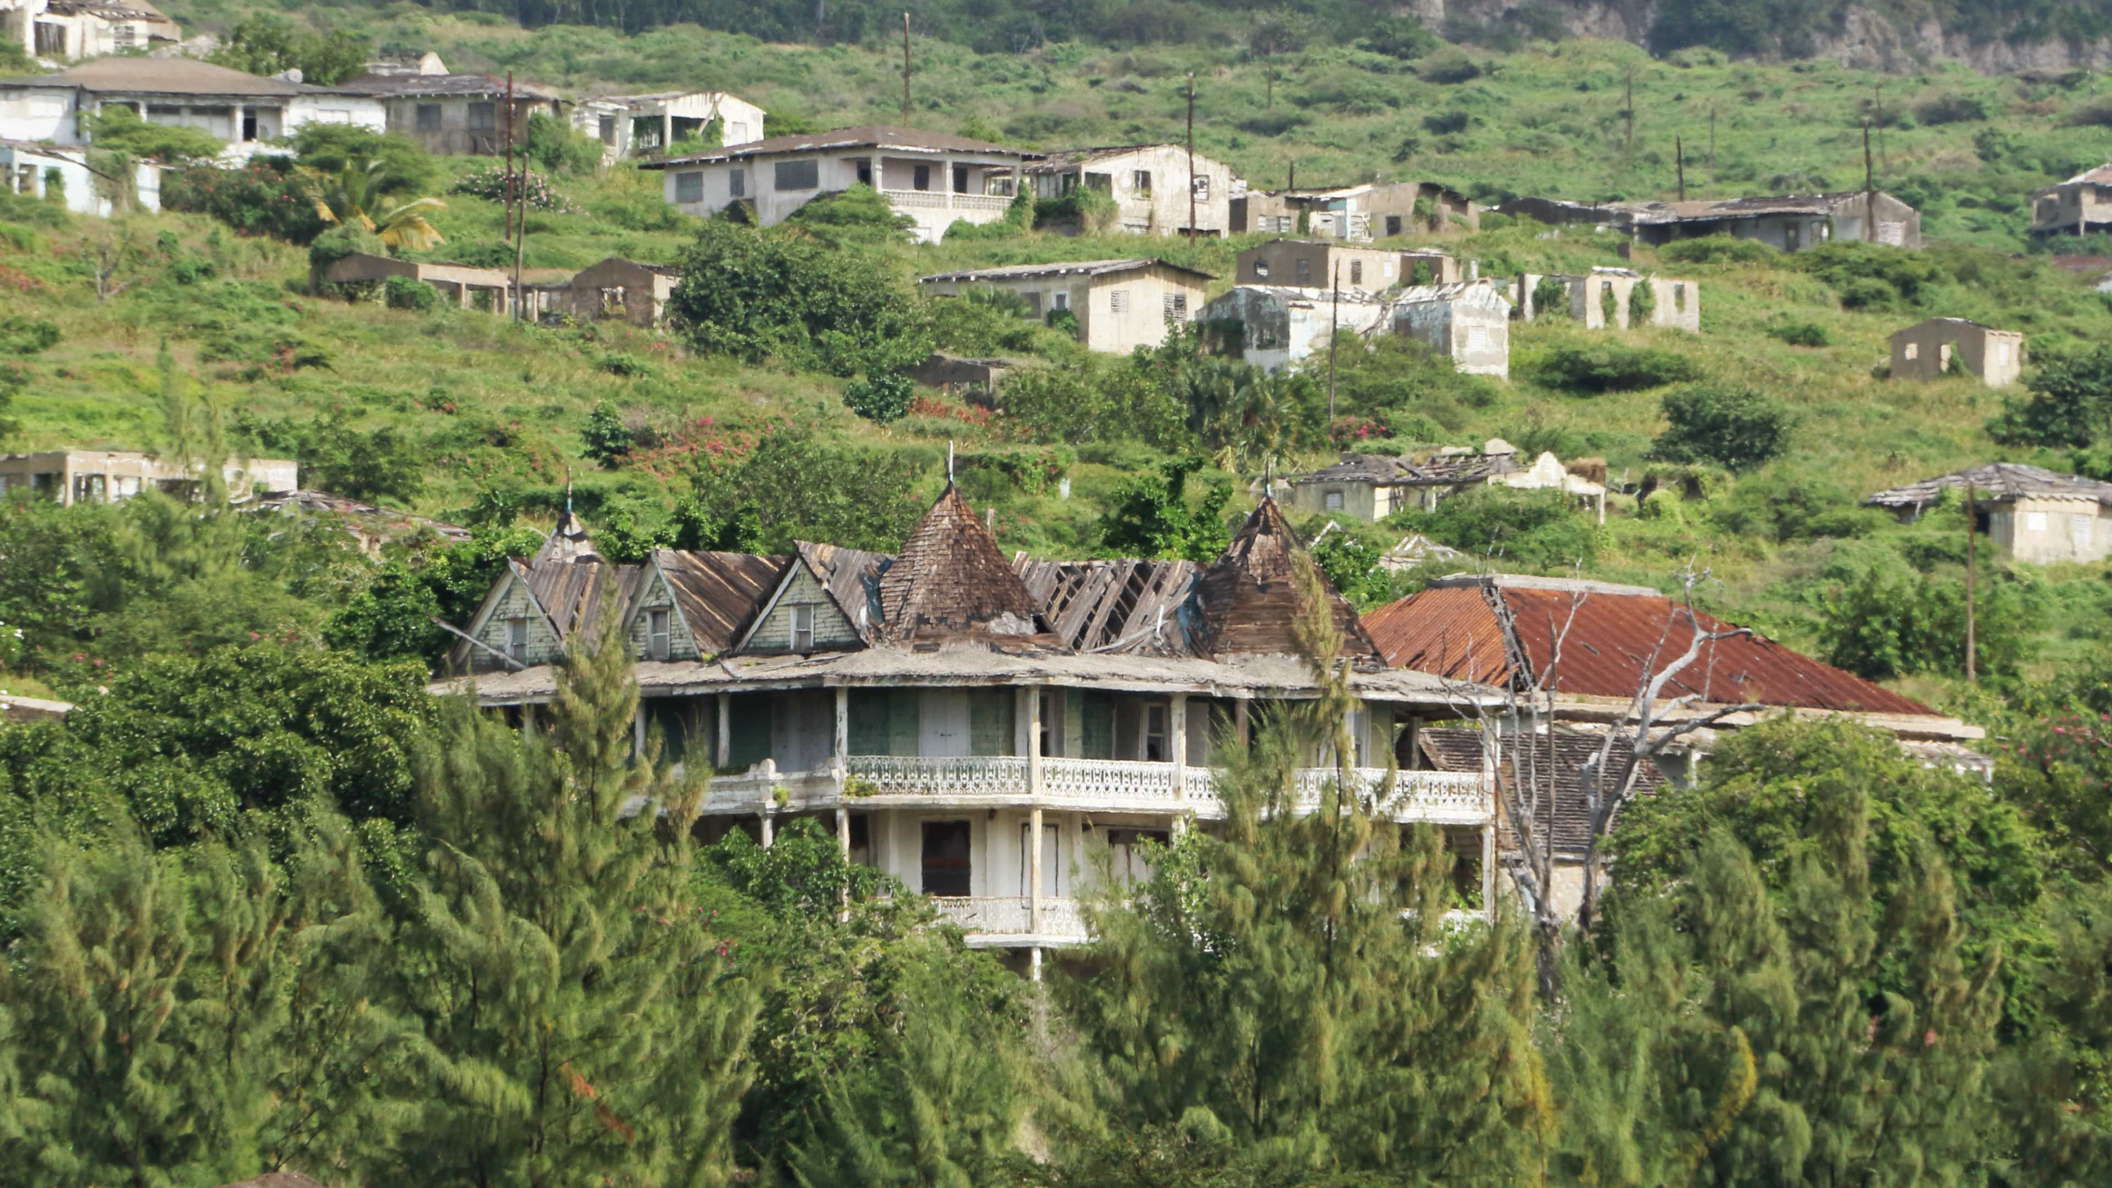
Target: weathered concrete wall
2046,531
1924,352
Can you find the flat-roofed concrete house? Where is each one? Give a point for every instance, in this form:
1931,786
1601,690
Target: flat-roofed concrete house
458,113
635,125
1468,323
112,476
618,288
935,179
487,289
59,30
999,733
1322,264
2082,205
1372,486
1606,297
1928,350
1358,213
1120,304
241,109
1274,326
1792,222
66,176
2031,514
1150,184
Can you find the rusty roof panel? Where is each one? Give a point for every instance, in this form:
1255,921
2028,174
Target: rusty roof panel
718,593
1615,640
1450,631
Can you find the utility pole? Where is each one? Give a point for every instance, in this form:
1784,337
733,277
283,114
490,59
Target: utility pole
905,70
1679,162
1293,183
1712,144
517,190
1971,564
508,133
1334,324
1191,155
1869,189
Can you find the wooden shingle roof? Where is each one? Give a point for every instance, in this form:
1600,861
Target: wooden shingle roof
951,579
1250,599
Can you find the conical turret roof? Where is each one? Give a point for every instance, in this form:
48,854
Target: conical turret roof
951,579
1250,597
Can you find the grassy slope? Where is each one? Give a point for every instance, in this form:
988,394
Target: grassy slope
495,403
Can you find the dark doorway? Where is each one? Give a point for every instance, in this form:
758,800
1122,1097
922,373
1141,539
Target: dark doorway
946,864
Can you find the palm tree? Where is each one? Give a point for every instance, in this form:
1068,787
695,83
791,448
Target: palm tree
355,194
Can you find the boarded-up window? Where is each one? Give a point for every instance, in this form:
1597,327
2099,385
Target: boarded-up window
1097,726
1118,301
1333,500
1305,271
1060,299
990,722
1176,305
883,721
1356,272
797,175
689,187
1051,859
517,640
747,731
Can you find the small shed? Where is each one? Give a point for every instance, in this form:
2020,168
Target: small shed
1929,350
1468,323
620,289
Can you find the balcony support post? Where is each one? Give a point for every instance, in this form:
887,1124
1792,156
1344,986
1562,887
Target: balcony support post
1030,746
843,846
841,744
1177,742
1034,964
1034,844
638,731
769,828
722,739
1488,870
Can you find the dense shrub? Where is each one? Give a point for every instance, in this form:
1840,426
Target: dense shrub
1447,122
119,129
334,148
264,197
403,292
1642,302
490,183
2069,405
1872,275
1400,37
1447,66
883,396
1883,617
1730,426
558,147
1950,108
1719,249
1607,366
1804,334
22,335
1522,529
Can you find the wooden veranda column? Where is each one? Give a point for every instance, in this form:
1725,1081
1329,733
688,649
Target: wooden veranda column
722,740
1034,844
1177,740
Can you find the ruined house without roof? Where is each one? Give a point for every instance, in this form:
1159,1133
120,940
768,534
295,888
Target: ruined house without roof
1120,305
1931,349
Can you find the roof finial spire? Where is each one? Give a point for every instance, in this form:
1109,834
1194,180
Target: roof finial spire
949,461
1268,476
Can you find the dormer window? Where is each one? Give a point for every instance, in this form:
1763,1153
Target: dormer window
802,628
659,635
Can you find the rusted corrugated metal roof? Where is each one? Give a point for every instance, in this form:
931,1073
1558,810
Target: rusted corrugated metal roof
1613,640
1124,605
1248,598
1449,631
951,579
718,593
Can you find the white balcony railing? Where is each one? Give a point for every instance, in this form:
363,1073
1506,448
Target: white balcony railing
992,919
1108,782
962,778
944,200
1443,796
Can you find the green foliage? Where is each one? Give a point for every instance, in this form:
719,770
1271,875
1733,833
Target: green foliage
1351,563
118,128
2069,405
1731,426
1884,617
1719,249
1540,530
1550,298
858,216
1400,37
331,149
21,335
1151,516
380,463
766,499
1871,275
392,616
558,147
1088,399
264,197
606,439
985,321
1804,334
884,397
266,44
1642,302
1607,366
759,295
403,292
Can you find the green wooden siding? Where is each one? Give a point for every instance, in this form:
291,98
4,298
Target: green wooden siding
990,717
1098,726
748,730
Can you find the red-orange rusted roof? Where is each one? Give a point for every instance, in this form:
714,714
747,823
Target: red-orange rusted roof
1611,643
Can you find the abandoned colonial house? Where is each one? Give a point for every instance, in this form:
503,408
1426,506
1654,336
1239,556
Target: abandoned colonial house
637,125
1358,213
1939,346
1609,298
1468,323
1120,305
1373,487
458,114
2082,205
1792,222
2030,513
1153,187
241,109
1274,326
1001,734
55,31
934,179
112,476
69,178
1325,264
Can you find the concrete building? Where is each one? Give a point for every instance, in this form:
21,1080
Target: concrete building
638,125
1359,213
2030,513
1001,734
1372,487
489,290
241,109
1151,185
934,179
618,288
67,177
1928,350
1468,323
2082,205
1606,297
1790,222
112,476
55,31
457,114
1320,264
1274,326
1120,304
